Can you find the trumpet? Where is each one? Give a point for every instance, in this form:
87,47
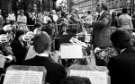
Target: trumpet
28,36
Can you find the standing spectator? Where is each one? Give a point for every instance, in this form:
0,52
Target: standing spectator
125,20
21,18
19,50
89,18
115,20
30,18
122,67
1,19
40,17
46,18
18,4
74,18
54,16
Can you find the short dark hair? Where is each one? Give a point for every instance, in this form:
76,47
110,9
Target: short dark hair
120,39
104,6
89,12
124,10
41,42
72,30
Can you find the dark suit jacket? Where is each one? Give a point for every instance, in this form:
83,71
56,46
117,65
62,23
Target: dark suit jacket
55,72
102,31
122,67
19,51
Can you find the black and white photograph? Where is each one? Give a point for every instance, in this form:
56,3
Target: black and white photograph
67,41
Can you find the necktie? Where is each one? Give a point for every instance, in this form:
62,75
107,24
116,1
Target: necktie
98,17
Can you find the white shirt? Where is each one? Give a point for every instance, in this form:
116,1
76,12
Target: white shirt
45,54
89,19
22,19
46,19
11,17
55,17
126,21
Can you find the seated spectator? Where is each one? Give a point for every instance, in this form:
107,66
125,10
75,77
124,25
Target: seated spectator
122,67
76,80
42,46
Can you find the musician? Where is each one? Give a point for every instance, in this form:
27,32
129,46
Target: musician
6,54
122,67
11,17
19,50
5,47
101,31
42,46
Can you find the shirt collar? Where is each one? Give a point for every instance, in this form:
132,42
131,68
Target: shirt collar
45,54
123,50
101,12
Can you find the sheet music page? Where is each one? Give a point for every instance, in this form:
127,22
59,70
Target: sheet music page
96,77
71,51
14,77
23,77
33,77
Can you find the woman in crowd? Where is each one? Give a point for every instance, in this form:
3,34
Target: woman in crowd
125,20
21,18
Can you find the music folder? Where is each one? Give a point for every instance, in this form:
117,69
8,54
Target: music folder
25,75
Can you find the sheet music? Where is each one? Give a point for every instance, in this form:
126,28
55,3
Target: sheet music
23,77
96,77
71,51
